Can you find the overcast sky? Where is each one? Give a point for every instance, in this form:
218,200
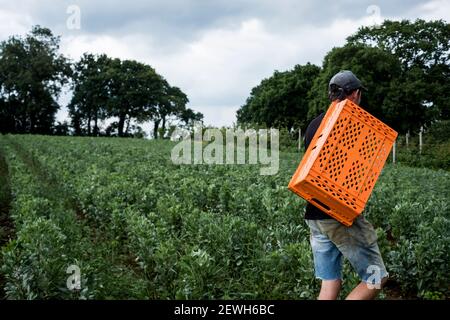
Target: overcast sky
215,51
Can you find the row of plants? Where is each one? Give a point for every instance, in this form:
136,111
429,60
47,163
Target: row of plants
51,237
223,231
195,230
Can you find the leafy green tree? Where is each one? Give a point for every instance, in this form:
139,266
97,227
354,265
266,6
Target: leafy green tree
135,91
90,93
281,100
32,73
171,103
127,90
188,115
420,43
423,48
61,128
374,67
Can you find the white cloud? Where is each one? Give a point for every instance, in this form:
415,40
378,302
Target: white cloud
218,70
74,46
229,54
432,10
13,23
223,65
222,115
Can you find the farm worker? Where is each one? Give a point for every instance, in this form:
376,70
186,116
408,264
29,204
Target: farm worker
330,240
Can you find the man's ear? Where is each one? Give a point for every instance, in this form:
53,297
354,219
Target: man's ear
355,94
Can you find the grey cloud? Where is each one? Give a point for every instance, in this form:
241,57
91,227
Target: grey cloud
167,20
167,28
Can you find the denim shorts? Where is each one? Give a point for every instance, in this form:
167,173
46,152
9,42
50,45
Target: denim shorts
330,240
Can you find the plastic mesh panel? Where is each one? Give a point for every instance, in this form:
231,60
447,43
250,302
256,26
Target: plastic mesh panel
340,171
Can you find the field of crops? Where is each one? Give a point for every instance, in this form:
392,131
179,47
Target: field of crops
140,227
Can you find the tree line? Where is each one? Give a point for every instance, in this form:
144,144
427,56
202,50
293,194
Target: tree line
404,65
33,74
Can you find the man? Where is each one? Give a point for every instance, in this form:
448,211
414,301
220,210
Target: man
330,240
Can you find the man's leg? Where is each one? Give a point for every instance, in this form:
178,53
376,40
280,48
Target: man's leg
330,289
365,292
327,261
365,257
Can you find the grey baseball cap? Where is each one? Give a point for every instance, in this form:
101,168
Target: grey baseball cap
347,80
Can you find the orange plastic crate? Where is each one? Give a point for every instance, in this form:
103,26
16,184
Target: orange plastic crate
343,161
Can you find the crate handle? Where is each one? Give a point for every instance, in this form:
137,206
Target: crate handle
321,205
